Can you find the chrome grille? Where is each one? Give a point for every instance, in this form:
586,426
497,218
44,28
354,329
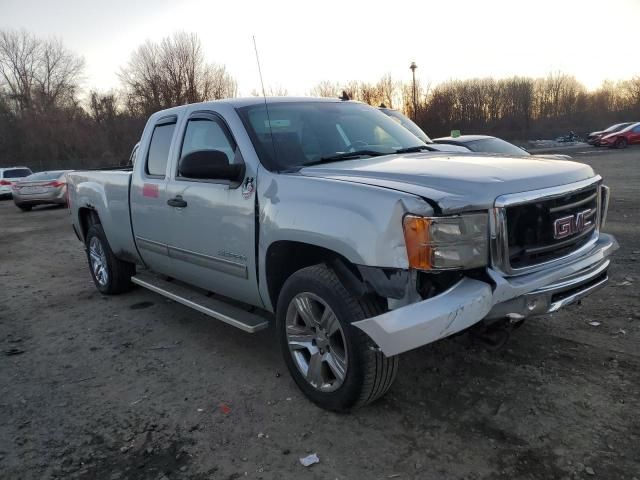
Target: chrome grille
534,229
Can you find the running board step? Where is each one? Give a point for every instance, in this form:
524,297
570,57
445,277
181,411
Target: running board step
194,298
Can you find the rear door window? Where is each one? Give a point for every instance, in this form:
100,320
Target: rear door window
159,149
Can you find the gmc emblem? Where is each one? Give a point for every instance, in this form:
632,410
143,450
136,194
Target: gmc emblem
566,226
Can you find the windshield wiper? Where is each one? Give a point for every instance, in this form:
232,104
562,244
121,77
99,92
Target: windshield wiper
348,155
416,149
369,153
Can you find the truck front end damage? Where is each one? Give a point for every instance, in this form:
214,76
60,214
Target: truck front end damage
546,251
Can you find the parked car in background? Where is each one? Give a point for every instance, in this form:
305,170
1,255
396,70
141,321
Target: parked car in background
42,188
594,137
489,144
627,136
410,125
484,144
10,175
407,123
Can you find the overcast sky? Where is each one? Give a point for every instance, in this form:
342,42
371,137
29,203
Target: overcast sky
303,42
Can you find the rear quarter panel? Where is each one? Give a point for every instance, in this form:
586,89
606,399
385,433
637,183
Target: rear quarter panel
107,193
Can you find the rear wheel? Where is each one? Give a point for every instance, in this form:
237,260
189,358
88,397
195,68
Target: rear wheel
110,274
335,364
621,143
25,208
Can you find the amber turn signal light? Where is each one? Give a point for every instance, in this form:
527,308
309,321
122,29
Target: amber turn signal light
416,237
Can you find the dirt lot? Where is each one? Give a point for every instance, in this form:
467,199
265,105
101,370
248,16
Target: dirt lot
135,386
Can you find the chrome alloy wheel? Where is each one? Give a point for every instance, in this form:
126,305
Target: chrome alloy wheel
98,261
317,342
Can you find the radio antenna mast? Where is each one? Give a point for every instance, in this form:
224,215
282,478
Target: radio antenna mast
255,47
264,95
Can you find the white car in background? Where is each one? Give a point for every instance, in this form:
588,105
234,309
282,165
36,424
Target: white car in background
8,176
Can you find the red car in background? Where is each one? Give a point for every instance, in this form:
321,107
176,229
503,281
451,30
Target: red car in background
594,137
626,136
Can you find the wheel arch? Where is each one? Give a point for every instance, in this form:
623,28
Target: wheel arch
285,257
87,216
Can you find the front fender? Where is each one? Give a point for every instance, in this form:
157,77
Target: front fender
362,223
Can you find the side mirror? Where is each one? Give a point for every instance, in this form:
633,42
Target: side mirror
210,165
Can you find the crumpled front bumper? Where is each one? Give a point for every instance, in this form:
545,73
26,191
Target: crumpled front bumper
470,301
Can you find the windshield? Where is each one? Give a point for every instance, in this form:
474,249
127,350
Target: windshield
617,127
629,127
46,175
495,145
407,123
17,173
304,133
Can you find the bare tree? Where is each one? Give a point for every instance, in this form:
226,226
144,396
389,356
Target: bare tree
58,74
632,89
352,89
18,66
173,72
277,91
38,73
406,97
370,94
387,90
326,89
103,107
220,83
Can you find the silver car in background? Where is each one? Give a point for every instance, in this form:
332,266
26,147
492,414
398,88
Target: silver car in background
42,188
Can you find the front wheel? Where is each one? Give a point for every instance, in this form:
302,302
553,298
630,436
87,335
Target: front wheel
110,274
24,208
335,364
621,143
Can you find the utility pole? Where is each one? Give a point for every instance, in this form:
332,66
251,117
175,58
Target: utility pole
413,67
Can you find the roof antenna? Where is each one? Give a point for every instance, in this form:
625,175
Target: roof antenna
264,95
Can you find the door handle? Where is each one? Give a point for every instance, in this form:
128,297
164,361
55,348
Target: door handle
177,201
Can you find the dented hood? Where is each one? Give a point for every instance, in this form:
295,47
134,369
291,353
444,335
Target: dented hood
456,182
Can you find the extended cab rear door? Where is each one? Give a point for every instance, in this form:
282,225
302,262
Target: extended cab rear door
150,214
213,241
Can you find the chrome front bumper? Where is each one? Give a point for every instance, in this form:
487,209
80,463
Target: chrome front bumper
469,301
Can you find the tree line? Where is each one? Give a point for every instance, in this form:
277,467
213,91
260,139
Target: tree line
45,123
48,121
517,108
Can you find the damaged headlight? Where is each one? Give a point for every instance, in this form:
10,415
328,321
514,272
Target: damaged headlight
447,243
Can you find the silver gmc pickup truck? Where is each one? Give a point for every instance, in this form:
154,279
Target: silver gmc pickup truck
353,236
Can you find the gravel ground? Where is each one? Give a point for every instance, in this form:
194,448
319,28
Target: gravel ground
135,386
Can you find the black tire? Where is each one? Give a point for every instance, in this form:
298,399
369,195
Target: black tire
369,373
621,143
25,208
119,272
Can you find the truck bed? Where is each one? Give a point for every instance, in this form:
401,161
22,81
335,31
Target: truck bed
107,192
